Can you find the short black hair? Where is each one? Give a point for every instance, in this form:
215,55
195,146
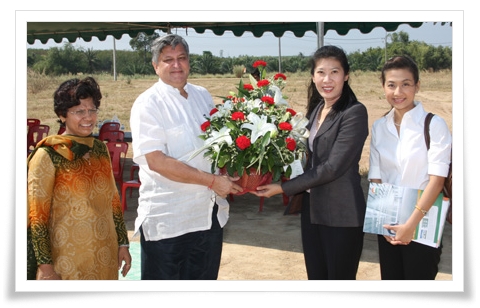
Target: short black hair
71,91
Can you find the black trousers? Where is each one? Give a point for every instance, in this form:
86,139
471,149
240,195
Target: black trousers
331,253
408,262
191,256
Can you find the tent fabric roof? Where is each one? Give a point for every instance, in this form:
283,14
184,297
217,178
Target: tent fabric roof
57,31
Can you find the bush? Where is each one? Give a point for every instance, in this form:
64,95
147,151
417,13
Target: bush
38,82
238,70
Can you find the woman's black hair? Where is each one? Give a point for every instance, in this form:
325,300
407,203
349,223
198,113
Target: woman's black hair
71,91
401,62
314,97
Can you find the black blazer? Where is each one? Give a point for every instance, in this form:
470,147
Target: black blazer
332,170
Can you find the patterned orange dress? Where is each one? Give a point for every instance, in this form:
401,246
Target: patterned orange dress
74,218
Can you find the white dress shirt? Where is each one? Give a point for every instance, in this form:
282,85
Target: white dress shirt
403,160
163,120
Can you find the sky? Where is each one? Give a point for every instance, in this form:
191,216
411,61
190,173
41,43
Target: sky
229,45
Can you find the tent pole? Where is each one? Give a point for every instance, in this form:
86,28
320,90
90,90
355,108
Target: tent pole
279,56
320,30
114,61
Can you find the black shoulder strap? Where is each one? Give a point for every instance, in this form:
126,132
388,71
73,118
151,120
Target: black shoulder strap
426,128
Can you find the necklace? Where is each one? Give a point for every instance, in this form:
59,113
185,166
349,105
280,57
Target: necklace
396,124
319,116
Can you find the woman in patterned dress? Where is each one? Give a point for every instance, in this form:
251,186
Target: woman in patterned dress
75,222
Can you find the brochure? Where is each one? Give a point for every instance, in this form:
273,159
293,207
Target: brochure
390,204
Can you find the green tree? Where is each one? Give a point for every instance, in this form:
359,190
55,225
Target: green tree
92,60
370,60
293,64
60,61
105,61
226,65
35,55
132,63
400,37
206,64
143,43
438,58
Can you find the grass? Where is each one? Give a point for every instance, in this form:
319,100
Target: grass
118,96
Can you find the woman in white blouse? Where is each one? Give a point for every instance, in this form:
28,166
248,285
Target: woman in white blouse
399,156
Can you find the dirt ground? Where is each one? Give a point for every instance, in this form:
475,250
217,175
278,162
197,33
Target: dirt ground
266,245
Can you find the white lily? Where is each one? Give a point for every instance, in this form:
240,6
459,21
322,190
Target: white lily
259,126
252,104
223,110
218,137
278,97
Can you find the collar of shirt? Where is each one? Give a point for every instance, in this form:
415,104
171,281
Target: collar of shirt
416,115
171,88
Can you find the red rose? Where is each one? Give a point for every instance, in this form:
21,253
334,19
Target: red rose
243,142
248,87
238,115
292,112
205,125
213,111
291,144
259,63
285,126
267,99
280,75
263,83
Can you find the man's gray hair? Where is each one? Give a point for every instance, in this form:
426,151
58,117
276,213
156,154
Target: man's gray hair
171,40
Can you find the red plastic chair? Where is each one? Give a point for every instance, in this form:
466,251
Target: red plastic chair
118,153
133,168
128,184
35,134
133,183
61,130
112,136
31,122
109,126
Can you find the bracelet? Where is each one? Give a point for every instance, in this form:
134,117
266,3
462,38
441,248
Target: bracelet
213,181
423,211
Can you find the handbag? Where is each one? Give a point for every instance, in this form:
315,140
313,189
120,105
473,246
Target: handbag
447,186
294,206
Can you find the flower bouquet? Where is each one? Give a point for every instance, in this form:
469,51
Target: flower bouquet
254,134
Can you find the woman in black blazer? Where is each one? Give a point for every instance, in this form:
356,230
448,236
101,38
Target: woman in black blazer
334,206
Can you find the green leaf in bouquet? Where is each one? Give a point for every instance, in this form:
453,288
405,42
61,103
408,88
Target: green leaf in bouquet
288,172
236,168
231,125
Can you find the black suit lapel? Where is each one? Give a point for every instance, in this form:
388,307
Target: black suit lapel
327,123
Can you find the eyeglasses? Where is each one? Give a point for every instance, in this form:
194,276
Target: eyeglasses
83,112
